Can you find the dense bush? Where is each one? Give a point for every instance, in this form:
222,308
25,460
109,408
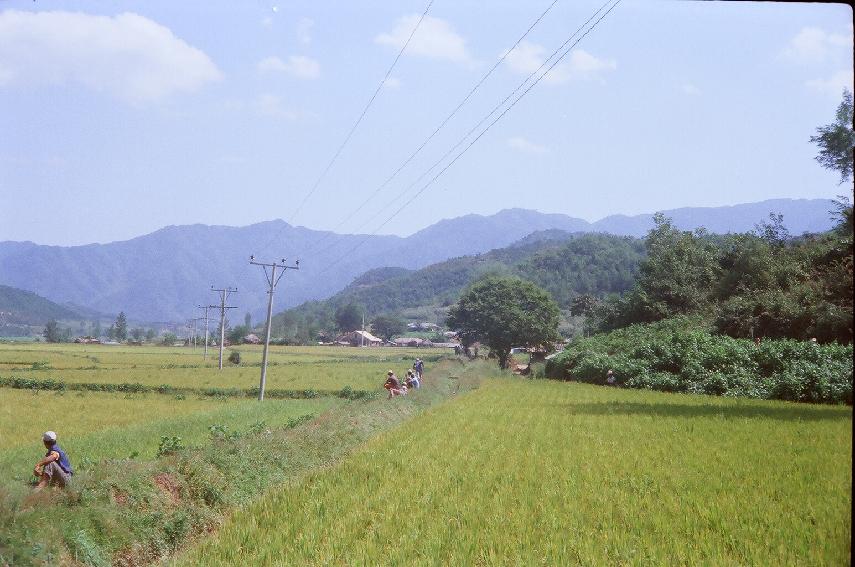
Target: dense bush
679,356
762,283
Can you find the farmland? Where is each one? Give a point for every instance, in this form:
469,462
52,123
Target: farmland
476,467
151,462
325,369
534,472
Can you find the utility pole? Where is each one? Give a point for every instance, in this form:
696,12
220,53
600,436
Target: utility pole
362,336
224,295
205,307
272,280
195,332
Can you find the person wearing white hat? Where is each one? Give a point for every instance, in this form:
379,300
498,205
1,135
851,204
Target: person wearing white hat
55,468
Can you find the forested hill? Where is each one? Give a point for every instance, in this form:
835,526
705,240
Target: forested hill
19,307
567,265
165,274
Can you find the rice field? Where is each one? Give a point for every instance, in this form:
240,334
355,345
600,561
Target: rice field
534,472
95,426
323,369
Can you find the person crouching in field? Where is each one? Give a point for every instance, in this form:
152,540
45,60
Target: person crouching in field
55,468
412,380
394,386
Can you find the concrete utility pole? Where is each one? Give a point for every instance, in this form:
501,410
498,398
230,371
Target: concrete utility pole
205,307
195,331
272,280
224,295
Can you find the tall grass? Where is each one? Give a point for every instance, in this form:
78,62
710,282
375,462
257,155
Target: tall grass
534,472
94,426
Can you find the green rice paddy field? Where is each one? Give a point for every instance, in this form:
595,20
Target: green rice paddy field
535,472
474,468
324,369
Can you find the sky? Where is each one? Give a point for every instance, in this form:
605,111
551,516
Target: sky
119,118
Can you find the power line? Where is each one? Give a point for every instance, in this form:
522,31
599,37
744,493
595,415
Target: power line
438,128
424,174
356,124
224,296
484,131
205,307
272,280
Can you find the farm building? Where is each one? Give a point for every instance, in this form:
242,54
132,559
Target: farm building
251,339
409,342
359,338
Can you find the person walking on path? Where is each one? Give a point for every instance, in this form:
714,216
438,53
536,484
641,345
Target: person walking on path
55,468
420,368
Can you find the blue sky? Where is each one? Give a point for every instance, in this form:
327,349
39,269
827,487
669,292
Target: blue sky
119,118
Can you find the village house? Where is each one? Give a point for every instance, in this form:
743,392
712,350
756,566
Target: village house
359,338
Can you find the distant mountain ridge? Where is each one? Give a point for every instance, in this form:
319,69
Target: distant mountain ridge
162,276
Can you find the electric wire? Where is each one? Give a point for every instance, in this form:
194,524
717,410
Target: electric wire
522,84
484,131
356,124
434,133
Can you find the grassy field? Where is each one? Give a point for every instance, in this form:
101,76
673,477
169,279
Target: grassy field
323,369
114,440
98,426
536,472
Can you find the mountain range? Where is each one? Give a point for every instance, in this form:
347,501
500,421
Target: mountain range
164,275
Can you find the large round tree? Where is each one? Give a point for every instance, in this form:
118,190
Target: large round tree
504,313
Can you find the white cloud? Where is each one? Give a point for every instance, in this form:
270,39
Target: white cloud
527,58
304,30
298,66
815,45
128,56
526,146
392,83
834,85
435,39
690,89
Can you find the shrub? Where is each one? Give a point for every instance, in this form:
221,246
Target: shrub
678,356
169,445
234,357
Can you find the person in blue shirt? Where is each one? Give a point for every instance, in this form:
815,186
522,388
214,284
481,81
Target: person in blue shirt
55,468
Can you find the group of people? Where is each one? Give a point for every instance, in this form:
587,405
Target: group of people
413,380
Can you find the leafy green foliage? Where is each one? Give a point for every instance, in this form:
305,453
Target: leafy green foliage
387,327
52,332
505,313
762,284
678,356
121,327
566,265
236,334
348,317
169,444
837,139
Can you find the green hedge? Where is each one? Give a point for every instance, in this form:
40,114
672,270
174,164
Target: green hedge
670,357
135,388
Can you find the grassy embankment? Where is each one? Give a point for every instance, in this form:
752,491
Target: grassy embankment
539,472
129,504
